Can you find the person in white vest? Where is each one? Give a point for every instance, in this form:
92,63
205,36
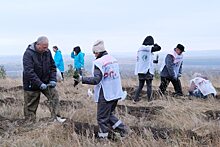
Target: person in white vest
201,87
144,66
171,70
107,90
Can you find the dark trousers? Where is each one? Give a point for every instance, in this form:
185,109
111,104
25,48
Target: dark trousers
32,99
176,84
105,116
140,87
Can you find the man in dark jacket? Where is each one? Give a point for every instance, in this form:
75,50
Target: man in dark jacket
172,70
39,75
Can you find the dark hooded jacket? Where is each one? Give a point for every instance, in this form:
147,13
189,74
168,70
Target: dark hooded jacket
38,68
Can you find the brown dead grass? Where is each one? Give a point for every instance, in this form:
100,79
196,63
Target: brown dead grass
180,113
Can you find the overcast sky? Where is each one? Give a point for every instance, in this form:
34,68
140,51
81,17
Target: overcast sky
122,24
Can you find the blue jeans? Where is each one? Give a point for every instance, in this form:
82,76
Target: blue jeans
197,93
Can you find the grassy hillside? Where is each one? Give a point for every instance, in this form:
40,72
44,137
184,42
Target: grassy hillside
166,121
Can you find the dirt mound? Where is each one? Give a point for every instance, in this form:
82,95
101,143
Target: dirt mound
212,114
16,88
10,101
139,111
66,104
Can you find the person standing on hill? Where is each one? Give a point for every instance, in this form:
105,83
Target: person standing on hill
144,66
39,76
172,70
58,58
107,90
78,57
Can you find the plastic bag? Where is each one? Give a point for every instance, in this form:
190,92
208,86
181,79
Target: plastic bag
59,76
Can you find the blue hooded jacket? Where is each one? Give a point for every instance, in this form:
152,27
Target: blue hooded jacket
78,60
59,60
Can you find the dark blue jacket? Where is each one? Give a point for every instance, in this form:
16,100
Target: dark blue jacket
38,68
168,70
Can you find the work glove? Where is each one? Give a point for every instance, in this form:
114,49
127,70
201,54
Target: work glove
43,86
52,84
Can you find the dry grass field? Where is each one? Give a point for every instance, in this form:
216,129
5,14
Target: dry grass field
165,121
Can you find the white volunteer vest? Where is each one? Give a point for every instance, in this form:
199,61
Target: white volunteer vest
205,86
144,60
178,59
111,81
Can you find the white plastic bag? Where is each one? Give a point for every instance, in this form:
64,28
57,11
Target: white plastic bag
124,96
59,76
90,94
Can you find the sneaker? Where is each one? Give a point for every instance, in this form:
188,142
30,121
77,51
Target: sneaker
150,99
175,94
126,132
103,139
135,101
116,136
61,120
122,132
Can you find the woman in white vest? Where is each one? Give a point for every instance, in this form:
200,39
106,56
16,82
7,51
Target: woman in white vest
144,66
201,87
171,71
107,90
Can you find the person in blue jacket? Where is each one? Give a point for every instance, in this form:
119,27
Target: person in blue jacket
78,57
58,59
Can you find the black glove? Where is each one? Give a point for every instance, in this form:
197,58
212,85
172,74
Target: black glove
157,57
157,46
155,61
77,78
76,75
75,83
